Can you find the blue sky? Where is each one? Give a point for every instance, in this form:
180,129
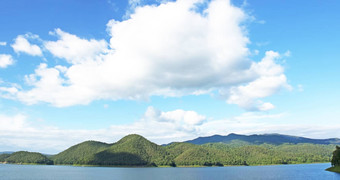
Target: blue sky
171,70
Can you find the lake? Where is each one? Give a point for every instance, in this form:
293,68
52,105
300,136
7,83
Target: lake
299,171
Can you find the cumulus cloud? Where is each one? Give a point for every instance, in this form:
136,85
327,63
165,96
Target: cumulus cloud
74,49
166,126
185,120
21,44
6,60
3,43
271,79
161,50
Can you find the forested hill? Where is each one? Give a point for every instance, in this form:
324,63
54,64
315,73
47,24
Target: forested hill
25,157
132,150
135,150
275,139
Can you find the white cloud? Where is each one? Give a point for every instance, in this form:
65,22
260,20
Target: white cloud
49,87
165,50
10,90
133,4
3,43
74,49
258,126
14,123
271,79
185,117
178,117
164,127
6,60
18,132
21,44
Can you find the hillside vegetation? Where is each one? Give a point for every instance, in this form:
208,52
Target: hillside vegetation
135,150
80,153
132,150
335,161
24,157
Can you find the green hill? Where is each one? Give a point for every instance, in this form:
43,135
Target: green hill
3,157
175,149
201,156
80,153
24,157
335,161
132,150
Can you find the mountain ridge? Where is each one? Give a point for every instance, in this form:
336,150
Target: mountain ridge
274,138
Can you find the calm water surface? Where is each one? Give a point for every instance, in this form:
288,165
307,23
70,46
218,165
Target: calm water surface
301,171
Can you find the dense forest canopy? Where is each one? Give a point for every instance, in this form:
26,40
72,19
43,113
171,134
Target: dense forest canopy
336,157
335,161
25,157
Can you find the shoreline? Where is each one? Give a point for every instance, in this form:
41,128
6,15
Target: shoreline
335,169
163,166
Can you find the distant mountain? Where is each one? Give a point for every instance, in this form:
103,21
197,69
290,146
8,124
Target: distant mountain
275,139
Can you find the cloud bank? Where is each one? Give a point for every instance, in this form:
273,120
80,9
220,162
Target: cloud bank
18,132
171,50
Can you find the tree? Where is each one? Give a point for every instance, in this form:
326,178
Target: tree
336,157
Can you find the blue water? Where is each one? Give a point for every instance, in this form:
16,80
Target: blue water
301,171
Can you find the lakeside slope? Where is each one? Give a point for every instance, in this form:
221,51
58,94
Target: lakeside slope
135,150
334,169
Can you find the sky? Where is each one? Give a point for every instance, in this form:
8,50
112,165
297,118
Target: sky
169,70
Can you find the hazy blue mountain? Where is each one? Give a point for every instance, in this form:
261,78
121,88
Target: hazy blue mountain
276,139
